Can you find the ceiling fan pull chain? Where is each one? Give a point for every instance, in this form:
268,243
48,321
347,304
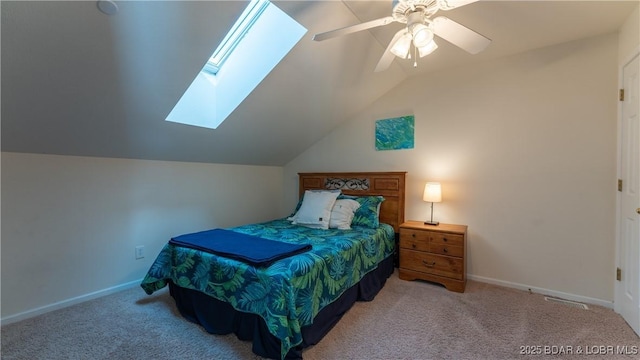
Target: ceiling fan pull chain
415,57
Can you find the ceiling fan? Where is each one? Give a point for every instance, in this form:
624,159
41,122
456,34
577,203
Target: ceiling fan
420,30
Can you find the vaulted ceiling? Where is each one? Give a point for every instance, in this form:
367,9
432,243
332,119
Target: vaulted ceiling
78,82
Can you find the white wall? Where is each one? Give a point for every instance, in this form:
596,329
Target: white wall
70,224
525,149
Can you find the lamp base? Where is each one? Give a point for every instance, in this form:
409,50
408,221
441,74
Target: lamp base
434,223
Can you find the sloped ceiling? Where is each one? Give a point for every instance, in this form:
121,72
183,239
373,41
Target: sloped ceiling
78,82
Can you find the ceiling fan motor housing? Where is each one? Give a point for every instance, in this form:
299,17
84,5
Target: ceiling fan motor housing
402,9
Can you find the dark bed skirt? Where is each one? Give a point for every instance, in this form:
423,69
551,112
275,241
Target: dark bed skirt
218,317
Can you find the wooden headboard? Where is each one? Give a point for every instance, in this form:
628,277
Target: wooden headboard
387,184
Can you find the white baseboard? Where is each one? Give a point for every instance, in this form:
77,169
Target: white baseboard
537,290
65,303
94,295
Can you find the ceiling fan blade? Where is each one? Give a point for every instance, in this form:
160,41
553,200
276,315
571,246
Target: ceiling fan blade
452,4
459,35
388,56
352,29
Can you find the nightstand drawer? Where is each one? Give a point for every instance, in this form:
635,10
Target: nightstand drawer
446,249
448,239
414,239
432,264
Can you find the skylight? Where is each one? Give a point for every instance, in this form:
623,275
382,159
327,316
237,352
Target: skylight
258,41
239,29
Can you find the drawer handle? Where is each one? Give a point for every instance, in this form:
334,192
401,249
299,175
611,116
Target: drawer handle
444,239
413,235
413,246
444,250
428,264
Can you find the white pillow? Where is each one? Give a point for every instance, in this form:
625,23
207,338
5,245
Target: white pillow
315,210
342,214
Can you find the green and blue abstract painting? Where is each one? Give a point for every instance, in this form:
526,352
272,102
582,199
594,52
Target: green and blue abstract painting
395,133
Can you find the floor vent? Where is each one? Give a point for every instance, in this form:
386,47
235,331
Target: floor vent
567,302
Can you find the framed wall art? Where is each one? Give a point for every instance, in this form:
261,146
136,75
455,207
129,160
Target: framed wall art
395,133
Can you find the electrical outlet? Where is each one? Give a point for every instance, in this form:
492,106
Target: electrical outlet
139,252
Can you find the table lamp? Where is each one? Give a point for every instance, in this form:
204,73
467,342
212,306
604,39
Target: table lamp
432,194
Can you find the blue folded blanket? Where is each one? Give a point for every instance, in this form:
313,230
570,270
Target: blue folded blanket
247,248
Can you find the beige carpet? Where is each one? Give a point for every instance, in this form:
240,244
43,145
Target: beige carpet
407,320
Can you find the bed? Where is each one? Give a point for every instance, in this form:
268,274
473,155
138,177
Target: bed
292,302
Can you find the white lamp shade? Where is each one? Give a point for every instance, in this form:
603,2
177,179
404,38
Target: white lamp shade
432,192
427,49
402,46
422,35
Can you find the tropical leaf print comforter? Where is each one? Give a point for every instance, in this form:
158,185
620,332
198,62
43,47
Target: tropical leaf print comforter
289,293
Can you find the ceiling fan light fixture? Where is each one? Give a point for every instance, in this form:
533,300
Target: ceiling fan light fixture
402,46
427,49
422,35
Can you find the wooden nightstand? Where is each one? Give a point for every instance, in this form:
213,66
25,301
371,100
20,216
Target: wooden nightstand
434,253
